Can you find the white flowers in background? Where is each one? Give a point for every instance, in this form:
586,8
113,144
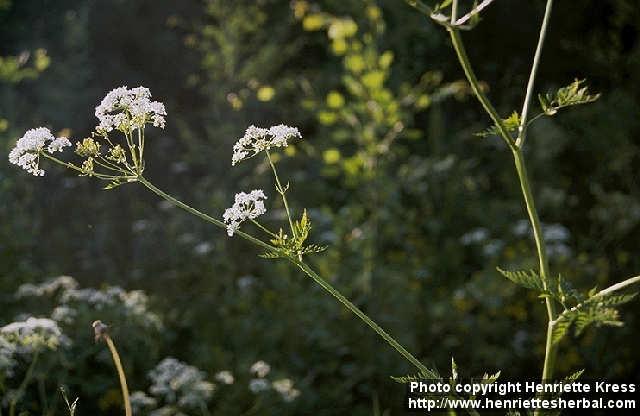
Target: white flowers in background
48,287
258,385
180,383
141,402
224,377
34,333
257,139
132,304
128,109
7,361
260,369
28,148
246,207
284,386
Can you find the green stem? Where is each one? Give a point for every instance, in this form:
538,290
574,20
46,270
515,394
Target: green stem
202,215
522,130
356,311
550,348
263,228
25,382
303,266
282,192
456,40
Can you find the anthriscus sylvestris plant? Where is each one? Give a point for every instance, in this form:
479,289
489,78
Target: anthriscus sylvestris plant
114,153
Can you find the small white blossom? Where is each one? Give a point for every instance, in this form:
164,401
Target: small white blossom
64,314
140,401
283,385
291,395
285,388
258,385
260,368
257,139
246,206
26,152
126,109
180,383
224,377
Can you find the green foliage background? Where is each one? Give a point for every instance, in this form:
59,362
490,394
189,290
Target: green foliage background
416,210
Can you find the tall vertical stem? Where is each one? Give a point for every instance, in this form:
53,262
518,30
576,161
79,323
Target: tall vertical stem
522,130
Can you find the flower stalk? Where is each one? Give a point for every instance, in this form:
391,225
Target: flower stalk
101,333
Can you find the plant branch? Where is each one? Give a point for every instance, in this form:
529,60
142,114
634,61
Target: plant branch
522,130
456,40
303,266
282,192
619,286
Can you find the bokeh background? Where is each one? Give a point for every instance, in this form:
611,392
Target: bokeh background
416,210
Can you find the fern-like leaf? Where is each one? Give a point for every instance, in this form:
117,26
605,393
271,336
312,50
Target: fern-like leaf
571,95
510,123
528,279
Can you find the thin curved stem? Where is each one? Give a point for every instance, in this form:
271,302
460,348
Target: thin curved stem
263,228
121,374
282,192
522,129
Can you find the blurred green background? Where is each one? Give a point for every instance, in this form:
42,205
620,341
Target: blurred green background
416,210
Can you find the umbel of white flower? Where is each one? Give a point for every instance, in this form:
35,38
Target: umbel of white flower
257,139
127,109
34,333
246,207
29,147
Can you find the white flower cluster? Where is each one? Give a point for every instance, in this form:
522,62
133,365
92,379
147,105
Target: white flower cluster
180,383
47,288
224,377
140,401
246,206
257,139
26,152
127,109
33,333
260,369
283,386
132,304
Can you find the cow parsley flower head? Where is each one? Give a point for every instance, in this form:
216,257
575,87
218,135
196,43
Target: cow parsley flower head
257,139
26,153
284,386
246,206
180,383
224,377
260,368
34,333
258,385
127,109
